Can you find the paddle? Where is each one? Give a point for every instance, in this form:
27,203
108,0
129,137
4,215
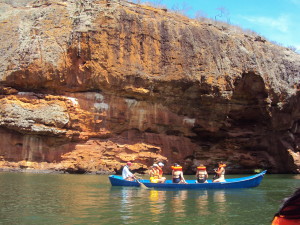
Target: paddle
141,184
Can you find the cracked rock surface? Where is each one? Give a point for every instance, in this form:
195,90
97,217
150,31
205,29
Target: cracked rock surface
87,85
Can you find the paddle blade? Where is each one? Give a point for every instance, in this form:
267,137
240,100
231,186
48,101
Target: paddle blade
143,185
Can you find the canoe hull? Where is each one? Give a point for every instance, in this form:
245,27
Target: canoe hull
244,182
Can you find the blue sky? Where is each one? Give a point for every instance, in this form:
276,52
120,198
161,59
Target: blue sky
276,20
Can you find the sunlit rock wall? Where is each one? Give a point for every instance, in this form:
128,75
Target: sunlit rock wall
88,85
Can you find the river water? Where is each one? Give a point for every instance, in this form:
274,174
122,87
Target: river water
89,199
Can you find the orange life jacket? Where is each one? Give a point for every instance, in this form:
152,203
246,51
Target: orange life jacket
176,168
154,173
278,220
160,172
201,168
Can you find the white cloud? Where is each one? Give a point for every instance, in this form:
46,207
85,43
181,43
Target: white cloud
281,23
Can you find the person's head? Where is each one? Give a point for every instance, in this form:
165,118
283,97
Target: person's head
176,164
160,164
129,163
201,167
221,164
154,165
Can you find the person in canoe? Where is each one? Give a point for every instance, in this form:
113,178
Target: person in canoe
126,174
220,173
153,173
156,175
201,174
160,172
177,174
289,212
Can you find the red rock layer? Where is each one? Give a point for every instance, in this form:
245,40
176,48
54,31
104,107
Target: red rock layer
107,82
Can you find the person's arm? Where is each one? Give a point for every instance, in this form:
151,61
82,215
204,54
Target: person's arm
126,173
130,174
219,171
150,172
182,178
160,172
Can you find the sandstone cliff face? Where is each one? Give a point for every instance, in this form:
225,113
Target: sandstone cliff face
88,85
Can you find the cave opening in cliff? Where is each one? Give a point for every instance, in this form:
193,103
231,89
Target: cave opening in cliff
248,103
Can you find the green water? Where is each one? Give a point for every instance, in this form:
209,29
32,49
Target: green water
89,199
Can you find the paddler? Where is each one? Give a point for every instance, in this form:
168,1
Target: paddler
154,173
220,173
177,174
126,174
160,172
201,174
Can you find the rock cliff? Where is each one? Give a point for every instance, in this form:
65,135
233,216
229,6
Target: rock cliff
86,85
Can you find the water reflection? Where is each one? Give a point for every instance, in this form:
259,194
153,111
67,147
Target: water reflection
202,203
297,177
178,203
220,199
74,199
208,200
157,201
126,204
30,198
137,203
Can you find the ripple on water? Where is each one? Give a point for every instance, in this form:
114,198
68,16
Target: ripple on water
88,199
